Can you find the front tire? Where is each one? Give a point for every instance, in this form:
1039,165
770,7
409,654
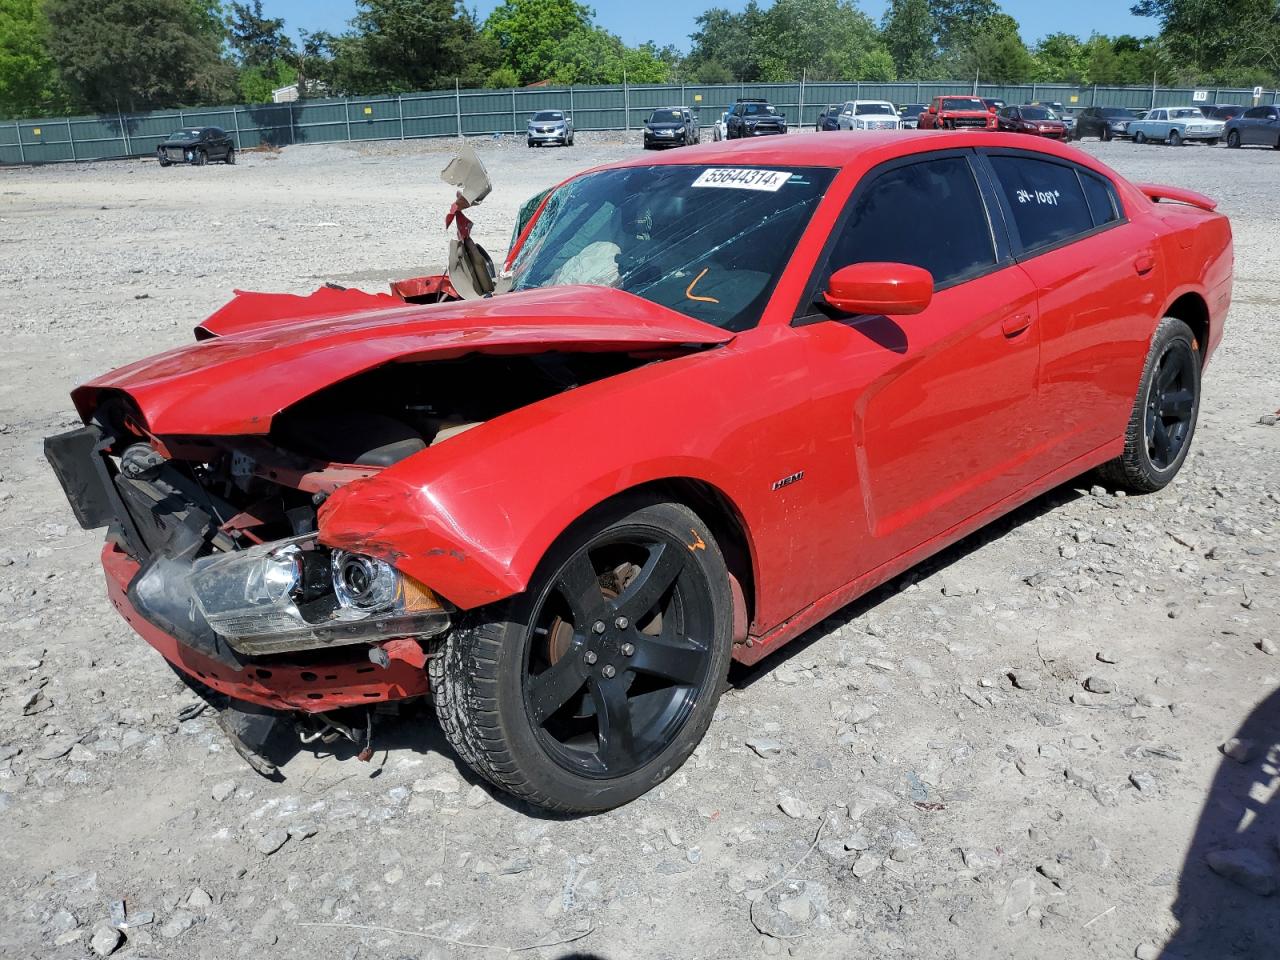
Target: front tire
1106,135
1233,140
231,157
1175,138
595,685
1163,421
1139,137
1212,142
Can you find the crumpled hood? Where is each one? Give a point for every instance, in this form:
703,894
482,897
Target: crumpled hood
235,384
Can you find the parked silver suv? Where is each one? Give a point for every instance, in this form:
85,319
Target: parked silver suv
550,126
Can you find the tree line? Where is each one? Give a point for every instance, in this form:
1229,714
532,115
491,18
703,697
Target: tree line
59,56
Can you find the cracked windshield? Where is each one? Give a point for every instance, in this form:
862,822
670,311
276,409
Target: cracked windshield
709,242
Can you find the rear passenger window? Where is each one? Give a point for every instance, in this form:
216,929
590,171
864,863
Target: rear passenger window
1101,198
928,214
1048,203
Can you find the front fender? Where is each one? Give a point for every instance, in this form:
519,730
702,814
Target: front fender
473,516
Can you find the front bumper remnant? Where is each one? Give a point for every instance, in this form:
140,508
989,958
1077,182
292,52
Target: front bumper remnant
327,684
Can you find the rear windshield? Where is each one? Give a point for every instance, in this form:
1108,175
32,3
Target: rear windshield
665,116
545,116
963,103
1186,113
1116,112
862,109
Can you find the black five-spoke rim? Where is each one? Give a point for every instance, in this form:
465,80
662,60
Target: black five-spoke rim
1171,405
619,653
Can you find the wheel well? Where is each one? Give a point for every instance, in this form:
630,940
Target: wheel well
720,515
1191,309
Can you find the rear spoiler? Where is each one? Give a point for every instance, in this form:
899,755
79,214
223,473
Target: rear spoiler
1157,192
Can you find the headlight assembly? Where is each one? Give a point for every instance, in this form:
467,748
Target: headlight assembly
297,595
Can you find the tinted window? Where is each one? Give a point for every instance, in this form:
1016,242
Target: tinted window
927,214
1258,113
1103,203
1048,203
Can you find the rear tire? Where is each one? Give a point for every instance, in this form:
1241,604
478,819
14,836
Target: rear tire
1163,421
595,685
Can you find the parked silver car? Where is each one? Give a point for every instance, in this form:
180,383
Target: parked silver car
550,126
1176,125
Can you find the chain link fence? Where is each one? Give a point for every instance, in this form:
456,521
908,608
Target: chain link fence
488,112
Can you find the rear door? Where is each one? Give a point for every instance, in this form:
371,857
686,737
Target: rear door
924,420
1097,278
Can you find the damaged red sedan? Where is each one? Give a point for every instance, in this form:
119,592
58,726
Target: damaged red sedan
709,399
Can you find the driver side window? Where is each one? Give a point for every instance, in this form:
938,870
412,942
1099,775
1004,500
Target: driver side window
928,214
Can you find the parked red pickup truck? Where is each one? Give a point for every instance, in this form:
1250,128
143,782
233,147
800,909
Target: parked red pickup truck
956,113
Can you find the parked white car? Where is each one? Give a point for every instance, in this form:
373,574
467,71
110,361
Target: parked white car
869,115
1175,125
720,129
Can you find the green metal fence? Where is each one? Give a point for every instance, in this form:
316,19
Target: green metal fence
486,112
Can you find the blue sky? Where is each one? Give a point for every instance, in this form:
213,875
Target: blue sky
671,21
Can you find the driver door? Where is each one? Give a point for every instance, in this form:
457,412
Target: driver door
920,421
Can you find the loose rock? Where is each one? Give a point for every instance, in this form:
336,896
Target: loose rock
1247,868
105,940
271,841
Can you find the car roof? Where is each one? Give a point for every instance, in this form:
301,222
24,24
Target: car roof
840,150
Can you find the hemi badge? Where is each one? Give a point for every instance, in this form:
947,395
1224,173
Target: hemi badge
788,481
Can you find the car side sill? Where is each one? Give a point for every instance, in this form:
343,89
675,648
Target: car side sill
759,647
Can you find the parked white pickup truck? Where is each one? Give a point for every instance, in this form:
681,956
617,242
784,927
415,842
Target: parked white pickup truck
1173,125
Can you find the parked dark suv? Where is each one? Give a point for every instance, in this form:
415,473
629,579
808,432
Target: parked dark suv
1222,111
1105,123
754,118
197,145
670,127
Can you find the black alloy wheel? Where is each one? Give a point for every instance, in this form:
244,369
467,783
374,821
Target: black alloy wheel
1163,420
594,685
1171,404
620,653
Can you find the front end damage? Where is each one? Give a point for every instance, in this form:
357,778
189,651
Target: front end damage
210,464
221,572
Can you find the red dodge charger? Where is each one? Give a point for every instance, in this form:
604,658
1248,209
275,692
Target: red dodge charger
724,393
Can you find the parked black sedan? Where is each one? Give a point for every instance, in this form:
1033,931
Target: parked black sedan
1259,126
829,119
1105,123
197,145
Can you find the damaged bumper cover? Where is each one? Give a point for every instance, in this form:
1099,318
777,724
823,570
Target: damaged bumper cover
227,617
311,687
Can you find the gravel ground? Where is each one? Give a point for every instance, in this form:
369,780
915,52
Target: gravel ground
1015,751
